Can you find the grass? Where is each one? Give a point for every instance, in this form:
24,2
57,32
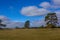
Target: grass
30,34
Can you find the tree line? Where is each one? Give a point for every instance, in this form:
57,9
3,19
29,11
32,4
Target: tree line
51,20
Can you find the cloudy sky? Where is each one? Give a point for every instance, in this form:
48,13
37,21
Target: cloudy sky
33,10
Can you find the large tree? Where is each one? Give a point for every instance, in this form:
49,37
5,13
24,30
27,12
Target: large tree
51,19
2,25
27,24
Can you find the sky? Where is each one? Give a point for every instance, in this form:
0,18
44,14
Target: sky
23,10
12,9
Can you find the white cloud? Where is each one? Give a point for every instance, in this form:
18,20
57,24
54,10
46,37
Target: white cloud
56,2
37,23
15,24
10,24
5,20
33,11
45,5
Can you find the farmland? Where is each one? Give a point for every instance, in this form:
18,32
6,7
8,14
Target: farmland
30,34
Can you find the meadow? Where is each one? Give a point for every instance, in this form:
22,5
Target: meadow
30,34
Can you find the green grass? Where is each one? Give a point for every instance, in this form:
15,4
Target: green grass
30,34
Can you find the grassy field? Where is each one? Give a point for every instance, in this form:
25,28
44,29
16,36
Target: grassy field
30,34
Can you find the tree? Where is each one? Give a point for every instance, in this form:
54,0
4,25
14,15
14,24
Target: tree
2,24
27,24
17,27
51,19
41,26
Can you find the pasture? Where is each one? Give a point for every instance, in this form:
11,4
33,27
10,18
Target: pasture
30,34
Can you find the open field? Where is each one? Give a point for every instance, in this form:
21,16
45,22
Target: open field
30,34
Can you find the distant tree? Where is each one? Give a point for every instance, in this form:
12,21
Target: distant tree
2,25
27,24
51,19
17,27
0,21
41,26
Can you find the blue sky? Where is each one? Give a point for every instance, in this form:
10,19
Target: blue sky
12,8
16,12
